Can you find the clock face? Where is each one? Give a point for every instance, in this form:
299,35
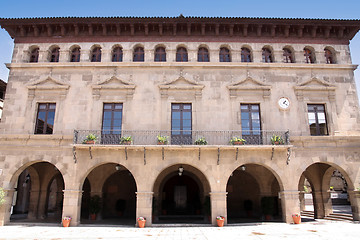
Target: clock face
284,103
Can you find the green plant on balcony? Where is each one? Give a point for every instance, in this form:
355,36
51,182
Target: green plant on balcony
162,140
126,140
277,140
201,141
237,141
90,139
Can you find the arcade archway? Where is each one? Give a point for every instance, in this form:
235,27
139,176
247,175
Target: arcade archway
253,192
327,196
38,194
111,189
181,195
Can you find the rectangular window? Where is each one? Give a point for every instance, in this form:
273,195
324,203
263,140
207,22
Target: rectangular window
111,124
317,120
181,123
45,118
251,123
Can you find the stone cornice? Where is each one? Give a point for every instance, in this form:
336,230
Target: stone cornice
101,28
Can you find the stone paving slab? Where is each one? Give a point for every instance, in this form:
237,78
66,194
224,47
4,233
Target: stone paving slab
315,230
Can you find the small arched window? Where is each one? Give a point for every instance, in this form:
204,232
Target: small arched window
75,55
224,55
245,55
117,54
181,55
160,54
288,56
55,53
267,55
329,57
203,55
309,56
138,54
96,55
34,55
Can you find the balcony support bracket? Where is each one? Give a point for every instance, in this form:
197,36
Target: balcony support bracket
144,156
163,154
126,157
199,154
237,154
288,156
90,153
74,154
272,153
218,160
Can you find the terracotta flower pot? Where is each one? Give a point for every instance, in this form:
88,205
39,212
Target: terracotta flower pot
126,143
238,143
220,222
66,223
296,219
141,223
90,142
93,216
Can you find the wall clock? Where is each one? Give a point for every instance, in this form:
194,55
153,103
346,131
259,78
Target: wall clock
284,103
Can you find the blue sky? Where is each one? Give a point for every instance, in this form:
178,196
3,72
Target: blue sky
329,9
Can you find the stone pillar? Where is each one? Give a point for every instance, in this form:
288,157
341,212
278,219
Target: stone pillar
278,56
302,201
171,55
214,55
299,56
72,205
355,204
326,196
257,56
42,204
235,55
127,55
6,207
106,55
43,56
290,204
218,206
144,206
33,204
64,56
319,210
192,55
149,55
84,57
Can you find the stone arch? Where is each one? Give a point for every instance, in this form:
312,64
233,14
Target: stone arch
165,203
313,55
333,53
292,50
319,174
116,186
39,174
248,186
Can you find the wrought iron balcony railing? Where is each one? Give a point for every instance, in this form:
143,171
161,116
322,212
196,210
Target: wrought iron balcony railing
177,137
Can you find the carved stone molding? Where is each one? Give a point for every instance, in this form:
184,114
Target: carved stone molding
113,86
249,85
48,86
315,87
181,85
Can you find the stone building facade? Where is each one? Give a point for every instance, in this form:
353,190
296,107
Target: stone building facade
190,81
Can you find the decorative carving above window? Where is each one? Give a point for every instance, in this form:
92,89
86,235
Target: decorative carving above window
181,85
315,88
113,87
48,86
247,85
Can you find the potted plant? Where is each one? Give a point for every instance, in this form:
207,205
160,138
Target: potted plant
66,221
2,196
141,222
220,221
277,140
237,141
267,207
201,141
162,140
94,206
90,139
296,218
126,140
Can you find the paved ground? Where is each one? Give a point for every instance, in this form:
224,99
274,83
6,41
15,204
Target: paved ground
320,229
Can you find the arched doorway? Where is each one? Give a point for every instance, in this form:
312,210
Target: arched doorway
38,194
110,188
253,192
181,195
328,193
